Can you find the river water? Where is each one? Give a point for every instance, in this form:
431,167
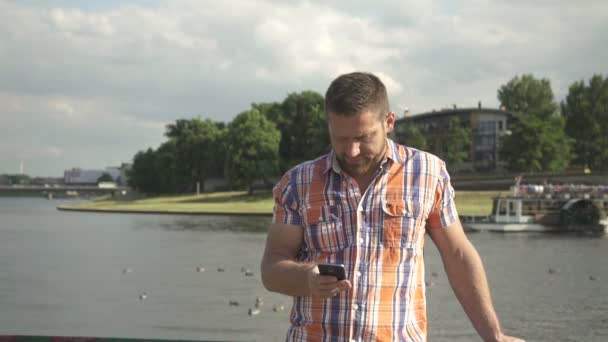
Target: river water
82,274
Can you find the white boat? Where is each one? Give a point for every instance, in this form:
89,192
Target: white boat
546,209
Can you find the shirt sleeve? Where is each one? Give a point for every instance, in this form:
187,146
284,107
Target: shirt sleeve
286,209
444,209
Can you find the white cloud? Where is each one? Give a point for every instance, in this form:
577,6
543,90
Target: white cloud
118,74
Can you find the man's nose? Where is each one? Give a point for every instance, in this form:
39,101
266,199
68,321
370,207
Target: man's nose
353,149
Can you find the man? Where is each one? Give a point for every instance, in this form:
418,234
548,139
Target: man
367,204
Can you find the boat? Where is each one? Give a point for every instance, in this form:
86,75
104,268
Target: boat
546,208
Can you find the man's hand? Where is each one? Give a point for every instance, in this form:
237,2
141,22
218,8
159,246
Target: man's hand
505,338
325,286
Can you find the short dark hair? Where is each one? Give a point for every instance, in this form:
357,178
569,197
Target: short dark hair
351,94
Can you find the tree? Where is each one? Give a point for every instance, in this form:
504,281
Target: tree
165,165
301,120
537,141
414,138
528,96
19,179
535,145
198,149
586,111
252,143
105,177
457,144
142,175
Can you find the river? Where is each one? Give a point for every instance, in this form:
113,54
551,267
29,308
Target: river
84,274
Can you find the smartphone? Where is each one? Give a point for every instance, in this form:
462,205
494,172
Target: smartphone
336,270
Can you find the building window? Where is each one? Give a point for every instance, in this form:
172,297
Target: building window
487,127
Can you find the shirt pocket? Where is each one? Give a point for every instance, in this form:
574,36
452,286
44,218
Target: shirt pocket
399,226
325,230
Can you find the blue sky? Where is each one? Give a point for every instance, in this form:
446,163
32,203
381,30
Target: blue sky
89,83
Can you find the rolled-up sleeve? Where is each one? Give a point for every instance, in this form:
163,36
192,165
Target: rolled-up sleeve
286,209
444,209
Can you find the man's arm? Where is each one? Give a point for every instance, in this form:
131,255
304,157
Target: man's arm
282,273
468,280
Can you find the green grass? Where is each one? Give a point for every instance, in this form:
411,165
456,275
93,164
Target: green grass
467,202
227,202
475,202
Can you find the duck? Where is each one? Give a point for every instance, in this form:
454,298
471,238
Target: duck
258,302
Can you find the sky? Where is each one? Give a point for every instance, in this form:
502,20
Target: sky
90,83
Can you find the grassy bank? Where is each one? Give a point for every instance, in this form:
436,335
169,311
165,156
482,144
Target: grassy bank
467,202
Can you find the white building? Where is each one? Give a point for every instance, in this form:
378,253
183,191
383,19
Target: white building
88,177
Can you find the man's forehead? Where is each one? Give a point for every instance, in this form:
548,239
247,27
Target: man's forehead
354,128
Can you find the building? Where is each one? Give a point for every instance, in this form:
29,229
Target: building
78,176
487,126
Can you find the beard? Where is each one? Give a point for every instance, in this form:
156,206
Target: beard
360,166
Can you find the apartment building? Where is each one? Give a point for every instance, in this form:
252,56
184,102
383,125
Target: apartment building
487,126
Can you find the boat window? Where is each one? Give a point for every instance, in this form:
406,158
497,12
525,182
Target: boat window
529,208
511,209
502,208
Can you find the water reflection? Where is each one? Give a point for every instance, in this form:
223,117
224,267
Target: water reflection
248,224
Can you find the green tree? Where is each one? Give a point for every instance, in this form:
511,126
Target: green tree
537,141
175,130
586,111
457,143
252,143
105,177
19,179
528,96
142,175
301,120
198,149
165,165
536,145
413,137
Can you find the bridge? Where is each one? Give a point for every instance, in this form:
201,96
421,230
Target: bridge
60,191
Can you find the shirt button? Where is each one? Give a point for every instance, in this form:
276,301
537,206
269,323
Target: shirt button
361,240
358,274
355,306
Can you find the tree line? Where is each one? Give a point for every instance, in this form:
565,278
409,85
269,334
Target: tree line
257,145
269,138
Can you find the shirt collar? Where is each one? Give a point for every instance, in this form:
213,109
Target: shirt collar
391,155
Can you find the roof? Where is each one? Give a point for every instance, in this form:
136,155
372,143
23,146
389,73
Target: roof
457,111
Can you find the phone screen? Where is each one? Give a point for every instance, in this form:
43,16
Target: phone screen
336,270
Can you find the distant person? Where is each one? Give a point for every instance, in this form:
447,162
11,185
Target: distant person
368,204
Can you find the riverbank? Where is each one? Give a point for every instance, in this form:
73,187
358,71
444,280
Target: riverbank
469,203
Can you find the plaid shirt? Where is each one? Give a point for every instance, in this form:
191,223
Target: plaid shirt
378,236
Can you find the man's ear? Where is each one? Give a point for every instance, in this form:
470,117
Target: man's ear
390,121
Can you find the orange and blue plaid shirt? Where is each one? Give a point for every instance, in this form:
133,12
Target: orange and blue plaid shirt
377,235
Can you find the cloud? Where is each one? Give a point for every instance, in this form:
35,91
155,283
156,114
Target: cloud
115,73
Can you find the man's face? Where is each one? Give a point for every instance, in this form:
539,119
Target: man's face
360,141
